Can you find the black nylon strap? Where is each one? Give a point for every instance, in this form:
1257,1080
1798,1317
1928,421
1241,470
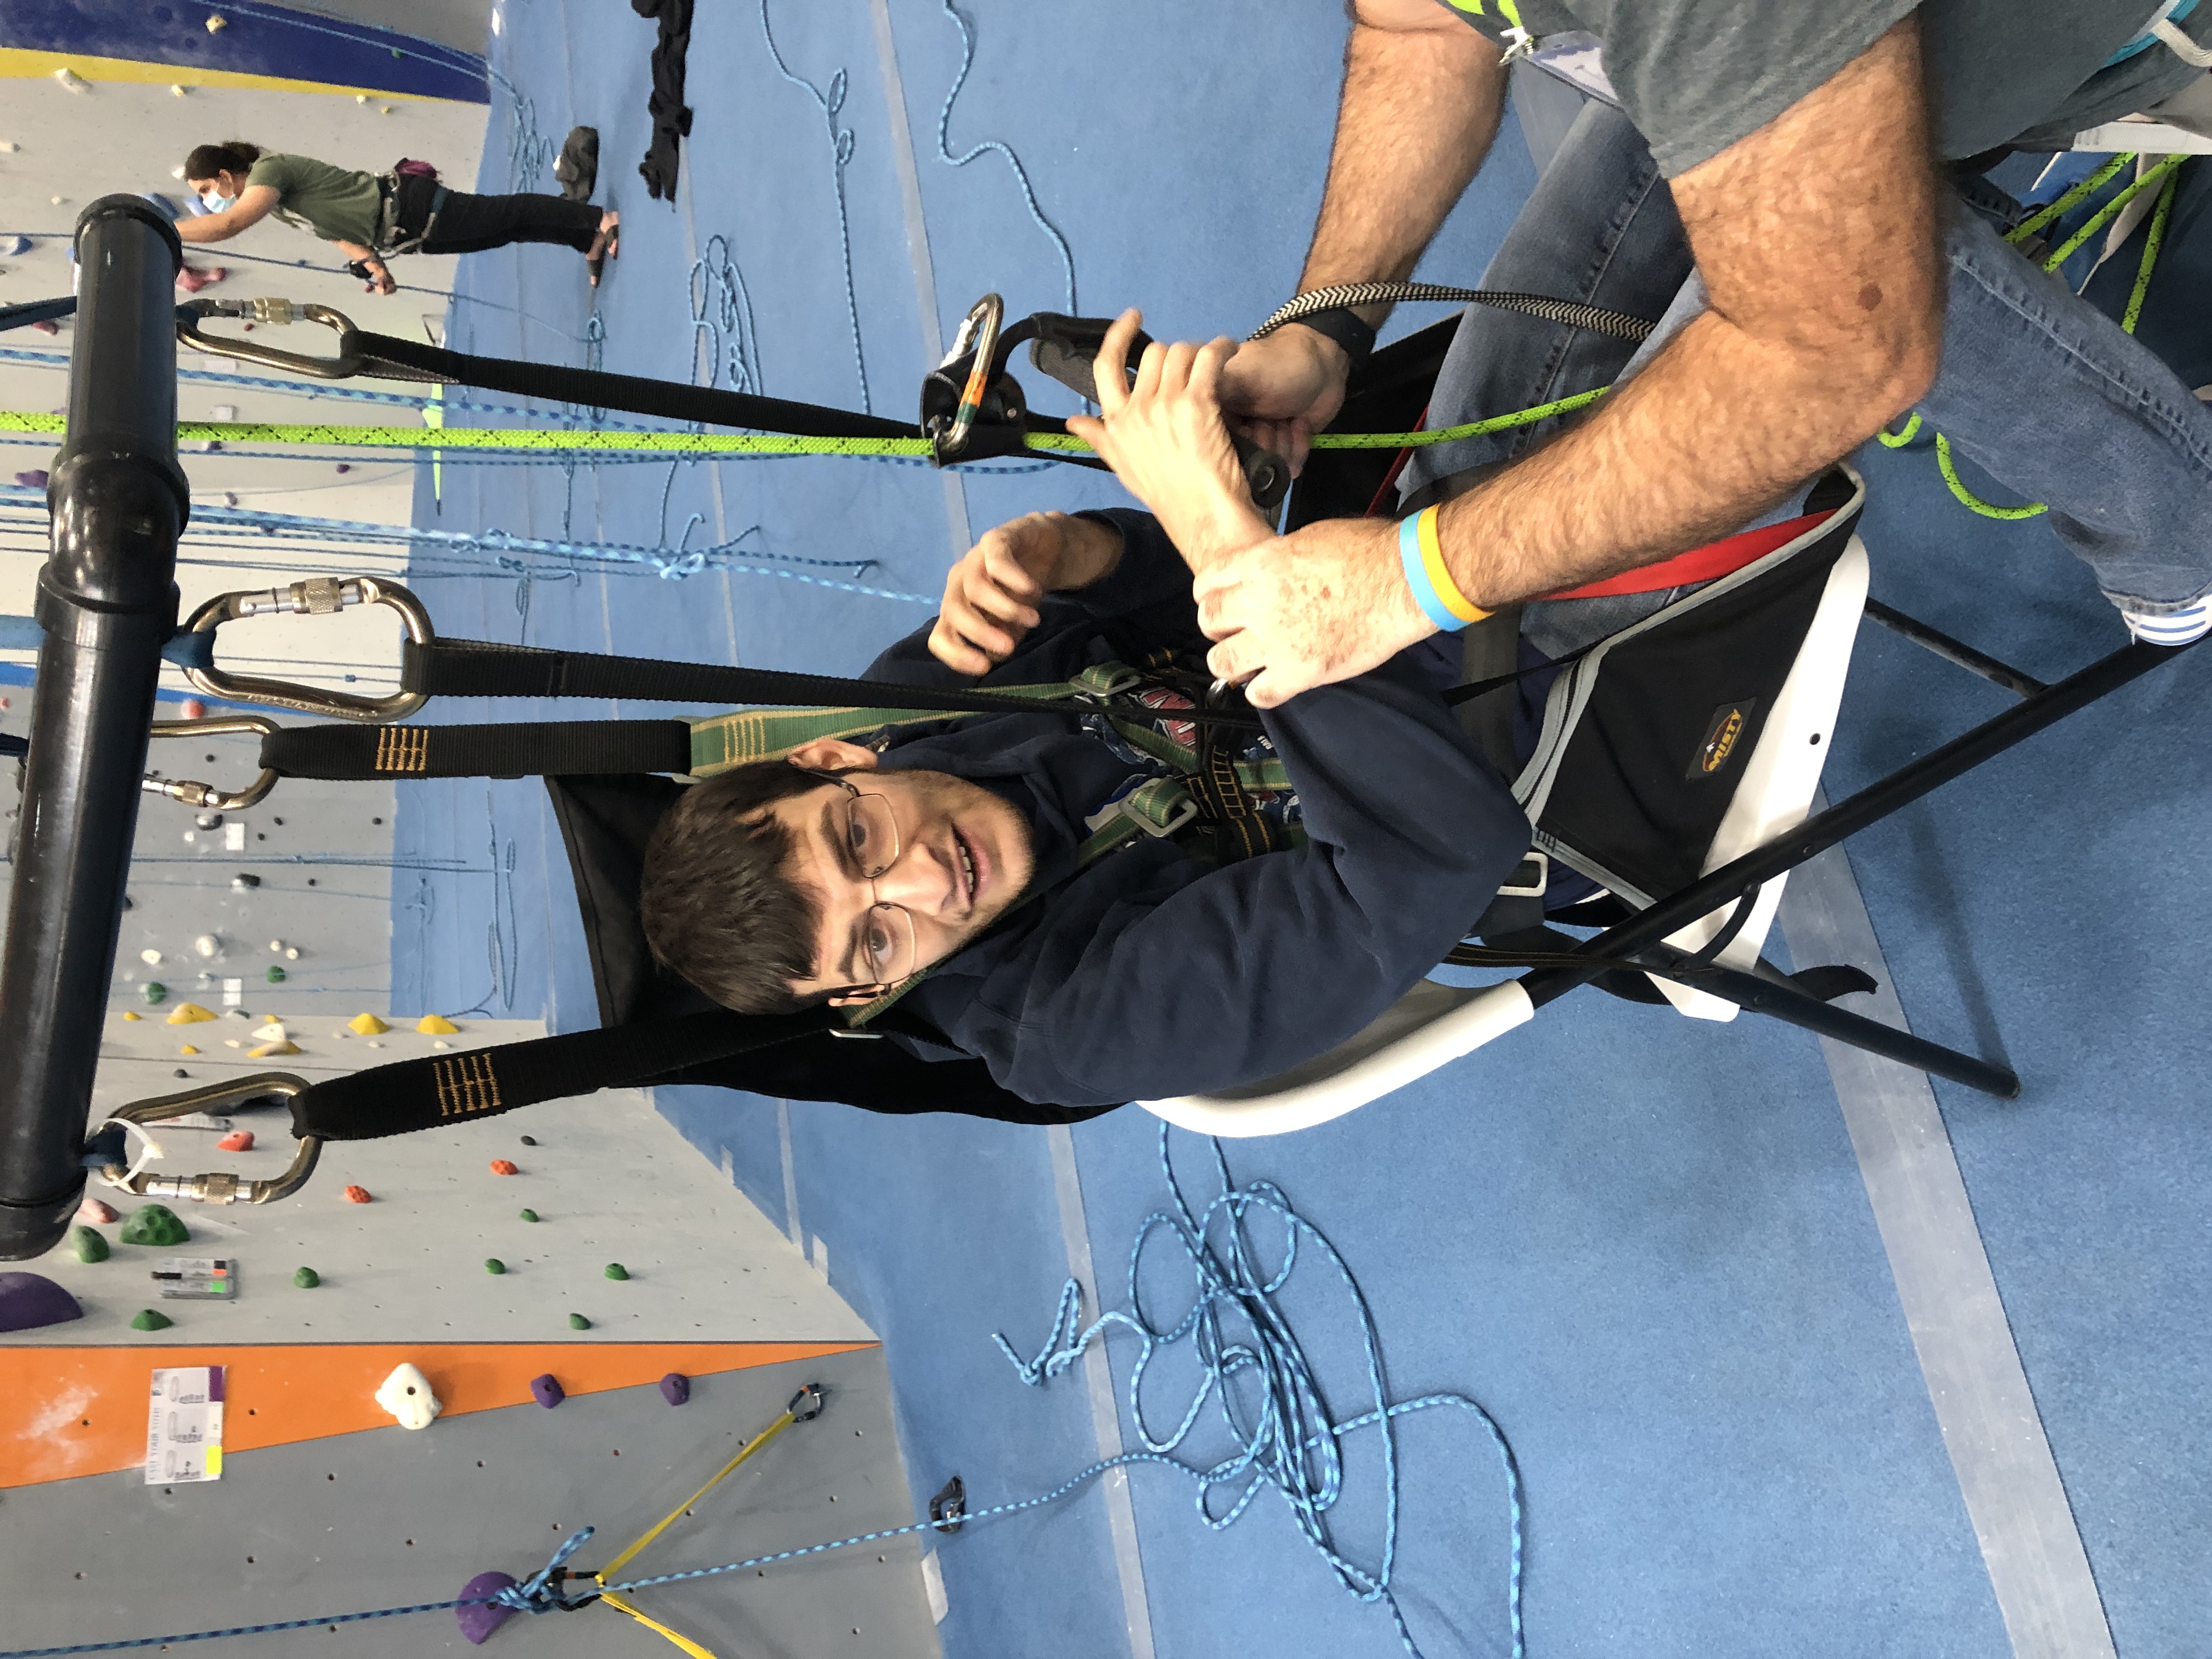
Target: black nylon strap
524,749
388,357
423,1094
471,668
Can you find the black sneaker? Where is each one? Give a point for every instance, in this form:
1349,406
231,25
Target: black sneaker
577,167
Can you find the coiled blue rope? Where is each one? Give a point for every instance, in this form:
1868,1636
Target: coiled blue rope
1235,1328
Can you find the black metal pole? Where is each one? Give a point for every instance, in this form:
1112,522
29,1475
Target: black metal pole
1954,651
108,601
1793,1007
1847,818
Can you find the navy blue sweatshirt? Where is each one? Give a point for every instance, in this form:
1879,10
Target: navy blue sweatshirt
1153,974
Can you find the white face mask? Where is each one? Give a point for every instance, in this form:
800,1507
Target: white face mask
214,201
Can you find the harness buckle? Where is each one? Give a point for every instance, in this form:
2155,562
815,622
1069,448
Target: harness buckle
319,596
1530,878
344,367
219,1186
1184,812
206,795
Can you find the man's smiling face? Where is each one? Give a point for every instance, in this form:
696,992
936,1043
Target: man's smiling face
960,857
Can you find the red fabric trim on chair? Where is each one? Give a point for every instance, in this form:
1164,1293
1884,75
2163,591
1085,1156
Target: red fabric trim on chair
1699,564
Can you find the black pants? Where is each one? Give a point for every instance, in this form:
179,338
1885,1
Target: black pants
470,224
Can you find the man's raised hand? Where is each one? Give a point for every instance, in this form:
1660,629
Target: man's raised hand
1166,441
1280,390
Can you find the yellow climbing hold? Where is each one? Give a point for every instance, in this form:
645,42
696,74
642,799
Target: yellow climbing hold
268,1050
188,1049
436,1025
130,1013
188,1013
367,1025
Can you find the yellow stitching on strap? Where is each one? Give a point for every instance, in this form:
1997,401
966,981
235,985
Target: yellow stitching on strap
465,1084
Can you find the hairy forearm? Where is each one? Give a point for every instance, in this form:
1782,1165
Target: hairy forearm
1717,428
1418,110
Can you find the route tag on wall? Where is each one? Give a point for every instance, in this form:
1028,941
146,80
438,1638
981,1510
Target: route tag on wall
195,1278
184,1427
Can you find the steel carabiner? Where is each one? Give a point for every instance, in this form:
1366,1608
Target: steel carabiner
206,795
219,1186
344,367
319,596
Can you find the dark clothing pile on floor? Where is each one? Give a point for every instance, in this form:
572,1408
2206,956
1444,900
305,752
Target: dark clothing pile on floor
672,116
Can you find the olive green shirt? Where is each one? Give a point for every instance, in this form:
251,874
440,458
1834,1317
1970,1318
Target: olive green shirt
337,204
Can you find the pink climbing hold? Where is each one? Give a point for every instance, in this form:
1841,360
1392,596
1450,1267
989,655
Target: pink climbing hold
193,710
238,1141
45,325
547,1390
356,1195
503,1166
193,278
479,1615
94,1210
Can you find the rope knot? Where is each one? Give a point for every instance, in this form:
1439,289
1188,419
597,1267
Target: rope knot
541,1592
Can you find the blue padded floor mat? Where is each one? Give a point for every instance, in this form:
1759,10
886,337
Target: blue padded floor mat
1641,1241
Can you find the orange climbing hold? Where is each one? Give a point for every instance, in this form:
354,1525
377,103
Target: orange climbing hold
356,1195
501,1166
238,1141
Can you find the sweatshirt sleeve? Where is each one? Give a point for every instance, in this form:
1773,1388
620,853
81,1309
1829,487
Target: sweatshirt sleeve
1162,976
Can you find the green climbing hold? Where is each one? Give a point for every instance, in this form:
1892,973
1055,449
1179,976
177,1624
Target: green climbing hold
616,1270
306,1279
275,975
89,1245
494,1265
530,1215
154,990
578,1323
148,1320
154,1223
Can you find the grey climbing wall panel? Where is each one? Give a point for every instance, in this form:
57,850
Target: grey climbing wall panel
387,1517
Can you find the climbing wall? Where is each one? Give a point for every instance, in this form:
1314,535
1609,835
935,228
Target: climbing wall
640,1261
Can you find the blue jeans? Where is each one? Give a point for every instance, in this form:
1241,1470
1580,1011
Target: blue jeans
2035,386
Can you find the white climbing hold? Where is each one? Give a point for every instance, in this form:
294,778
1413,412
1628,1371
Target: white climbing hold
69,78
407,1396
275,947
8,147
291,953
360,98
175,91
215,25
207,945
274,1031
151,956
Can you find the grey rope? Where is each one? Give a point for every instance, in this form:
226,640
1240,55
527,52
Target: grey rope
1596,319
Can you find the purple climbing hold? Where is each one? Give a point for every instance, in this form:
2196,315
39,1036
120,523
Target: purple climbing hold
547,1390
480,1619
27,1301
34,479
675,1388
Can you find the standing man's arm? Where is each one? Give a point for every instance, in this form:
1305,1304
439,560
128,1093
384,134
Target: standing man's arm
1817,240
1423,94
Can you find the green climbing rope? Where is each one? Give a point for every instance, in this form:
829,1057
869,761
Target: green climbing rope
714,443
2166,172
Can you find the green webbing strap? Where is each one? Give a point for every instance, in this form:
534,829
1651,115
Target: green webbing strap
746,735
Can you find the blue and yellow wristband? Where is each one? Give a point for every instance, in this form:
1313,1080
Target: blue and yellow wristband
1434,590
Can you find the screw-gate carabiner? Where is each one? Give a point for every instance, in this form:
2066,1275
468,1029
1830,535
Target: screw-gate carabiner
978,330
219,1186
319,596
344,367
200,794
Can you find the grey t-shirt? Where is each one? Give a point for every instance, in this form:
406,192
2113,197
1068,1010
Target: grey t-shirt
1695,76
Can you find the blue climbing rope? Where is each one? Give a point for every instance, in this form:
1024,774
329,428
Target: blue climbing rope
1240,1337
993,146
831,100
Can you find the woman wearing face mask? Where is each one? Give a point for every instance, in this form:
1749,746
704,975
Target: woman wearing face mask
369,216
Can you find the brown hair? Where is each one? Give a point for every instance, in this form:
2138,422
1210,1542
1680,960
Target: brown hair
717,903
232,155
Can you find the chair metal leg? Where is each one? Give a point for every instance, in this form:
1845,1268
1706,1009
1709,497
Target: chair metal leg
1847,818
1793,1007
